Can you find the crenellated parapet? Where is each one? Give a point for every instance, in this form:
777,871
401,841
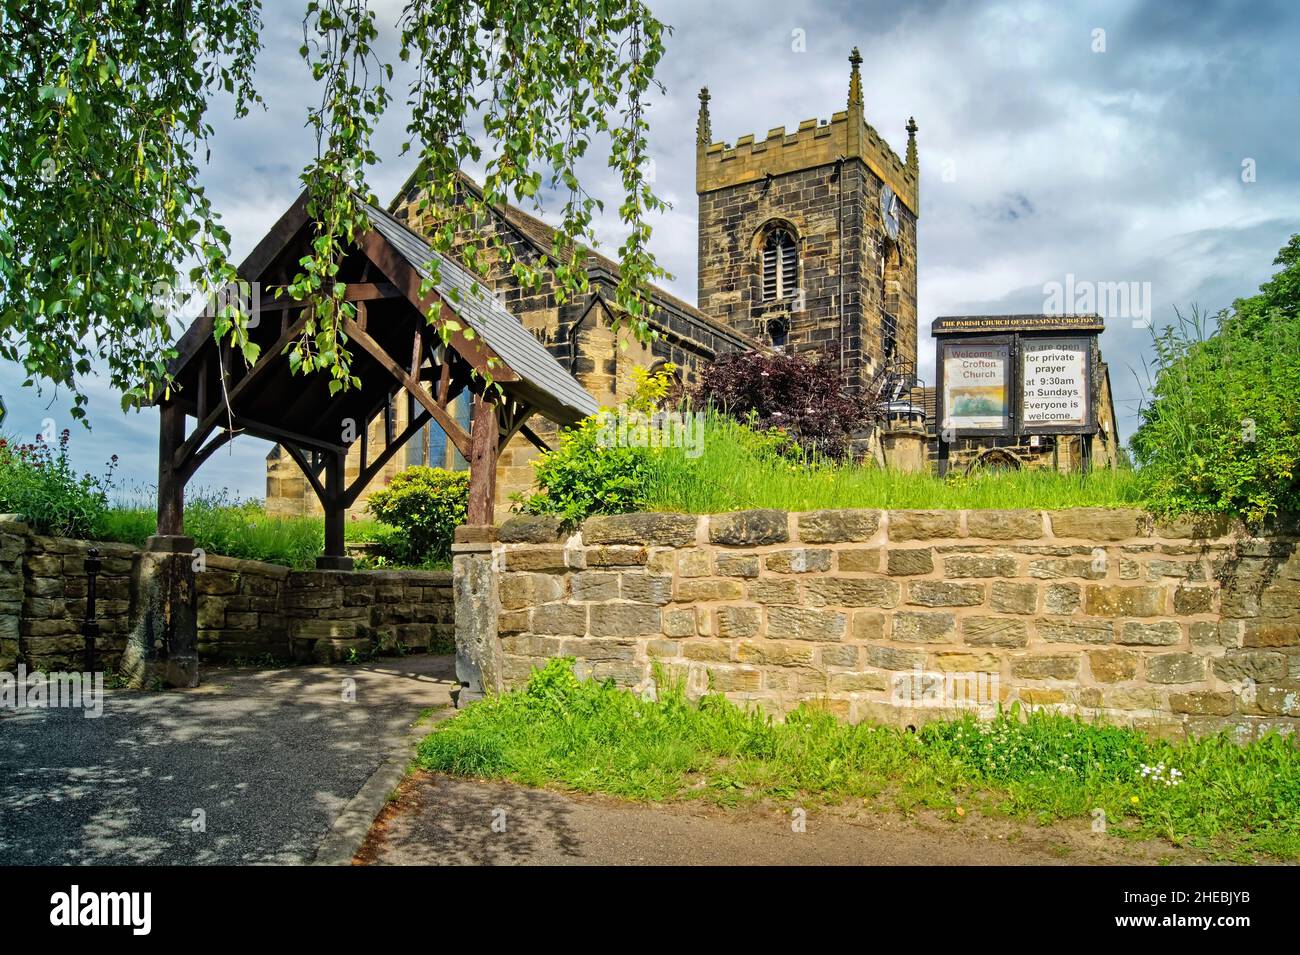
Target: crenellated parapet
816,142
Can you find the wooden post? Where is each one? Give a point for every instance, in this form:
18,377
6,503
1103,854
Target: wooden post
171,483
482,462
335,556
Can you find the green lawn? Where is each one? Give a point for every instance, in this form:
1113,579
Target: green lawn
1235,801
738,470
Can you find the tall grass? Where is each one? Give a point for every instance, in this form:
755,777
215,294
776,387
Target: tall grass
230,527
739,470
585,736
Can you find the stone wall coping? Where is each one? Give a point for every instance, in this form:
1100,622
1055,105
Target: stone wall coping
238,565
475,534
318,577
437,577
242,565
75,545
758,526
670,528
14,524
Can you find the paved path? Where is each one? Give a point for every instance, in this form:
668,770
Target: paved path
271,757
439,820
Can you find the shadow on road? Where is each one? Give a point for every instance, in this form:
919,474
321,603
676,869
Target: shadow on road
253,766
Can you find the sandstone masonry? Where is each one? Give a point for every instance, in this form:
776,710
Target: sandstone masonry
247,610
1172,627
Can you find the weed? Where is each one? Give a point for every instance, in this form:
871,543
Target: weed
586,736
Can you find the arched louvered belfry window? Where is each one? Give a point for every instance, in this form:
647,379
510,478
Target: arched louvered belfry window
780,266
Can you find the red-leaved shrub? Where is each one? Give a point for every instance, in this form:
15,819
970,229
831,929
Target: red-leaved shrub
802,395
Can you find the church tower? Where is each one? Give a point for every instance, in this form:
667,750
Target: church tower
808,239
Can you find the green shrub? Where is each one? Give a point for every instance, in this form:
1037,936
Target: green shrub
1223,432
801,395
37,481
591,472
425,505
588,475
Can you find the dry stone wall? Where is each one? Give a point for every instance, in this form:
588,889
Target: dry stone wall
332,615
248,611
899,616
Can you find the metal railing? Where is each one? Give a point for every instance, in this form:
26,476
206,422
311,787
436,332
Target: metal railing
90,626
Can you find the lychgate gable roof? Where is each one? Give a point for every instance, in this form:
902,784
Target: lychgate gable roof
499,346
395,352
541,379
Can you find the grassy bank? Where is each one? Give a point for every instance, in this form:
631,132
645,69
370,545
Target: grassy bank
238,529
739,470
1209,794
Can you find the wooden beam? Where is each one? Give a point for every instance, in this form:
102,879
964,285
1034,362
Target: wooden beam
368,474
308,471
171,479
444,380
365,440
402,274
355,292
390,418
482,462
519,415
448,424
206,424
334,508
417,352
533,439
260,429
197,459
201,407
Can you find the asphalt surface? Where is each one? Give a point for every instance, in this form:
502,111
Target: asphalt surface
266,760
441,820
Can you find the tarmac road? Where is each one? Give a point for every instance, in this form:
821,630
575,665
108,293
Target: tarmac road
251,767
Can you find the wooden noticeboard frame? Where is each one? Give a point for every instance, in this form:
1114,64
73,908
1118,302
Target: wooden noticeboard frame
1014,332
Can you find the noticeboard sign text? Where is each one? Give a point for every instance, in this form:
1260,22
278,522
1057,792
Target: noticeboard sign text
1055,383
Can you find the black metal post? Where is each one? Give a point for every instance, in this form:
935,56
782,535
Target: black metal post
90,627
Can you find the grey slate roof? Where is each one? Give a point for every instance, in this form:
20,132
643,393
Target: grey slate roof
505,334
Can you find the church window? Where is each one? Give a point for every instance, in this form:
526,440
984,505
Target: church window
780,266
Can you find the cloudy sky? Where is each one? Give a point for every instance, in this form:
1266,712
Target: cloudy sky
1048,148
